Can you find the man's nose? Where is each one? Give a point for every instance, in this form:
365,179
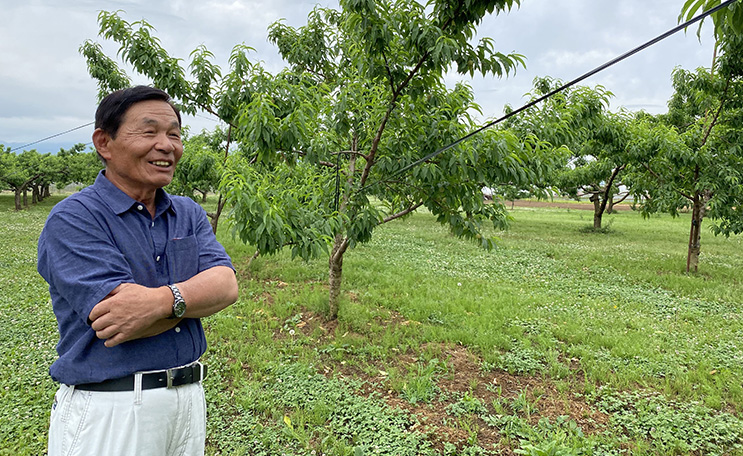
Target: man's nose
164,143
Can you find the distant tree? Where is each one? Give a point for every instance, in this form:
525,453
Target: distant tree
34,172
197,173
200,169
77,166
699,161
599,165
578,122
699,165
19,172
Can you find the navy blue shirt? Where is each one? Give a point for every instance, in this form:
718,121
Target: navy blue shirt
99,238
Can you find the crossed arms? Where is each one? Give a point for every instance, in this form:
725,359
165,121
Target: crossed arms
132,311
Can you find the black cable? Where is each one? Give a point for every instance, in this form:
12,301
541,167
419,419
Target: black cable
558,90
337,181
53,136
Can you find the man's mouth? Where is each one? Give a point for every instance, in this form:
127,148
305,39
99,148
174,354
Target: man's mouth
162,164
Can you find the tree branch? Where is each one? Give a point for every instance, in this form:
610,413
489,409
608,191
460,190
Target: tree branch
389,72
375,144
348,152
719,110
402,213
341,249
626,195
320,162
393,103
607,190
255,255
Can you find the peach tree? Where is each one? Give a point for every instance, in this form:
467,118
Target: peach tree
327,144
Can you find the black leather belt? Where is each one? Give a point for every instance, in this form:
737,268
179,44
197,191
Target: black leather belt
164,379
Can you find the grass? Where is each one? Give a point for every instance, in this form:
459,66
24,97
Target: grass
560,341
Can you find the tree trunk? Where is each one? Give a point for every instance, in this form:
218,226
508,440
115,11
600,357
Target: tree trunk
335,276
25,197
35,198
214,216
695,234
340,244
203,197
18,206
598,212
46,193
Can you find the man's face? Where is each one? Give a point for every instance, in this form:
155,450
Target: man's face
147,147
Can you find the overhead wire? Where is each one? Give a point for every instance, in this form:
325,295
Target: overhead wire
554,92
78,128
52,136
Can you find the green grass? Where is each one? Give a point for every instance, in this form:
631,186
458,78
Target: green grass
605,324
28,333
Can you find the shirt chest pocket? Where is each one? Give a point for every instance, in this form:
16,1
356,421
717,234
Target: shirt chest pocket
183,258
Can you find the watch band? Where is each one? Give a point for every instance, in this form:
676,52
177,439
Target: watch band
179,304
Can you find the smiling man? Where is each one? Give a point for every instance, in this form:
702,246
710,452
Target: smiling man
131,270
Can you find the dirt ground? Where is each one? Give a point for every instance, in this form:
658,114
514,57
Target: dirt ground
464,376
563,205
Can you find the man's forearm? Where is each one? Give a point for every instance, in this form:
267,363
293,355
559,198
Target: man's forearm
209,291
159,327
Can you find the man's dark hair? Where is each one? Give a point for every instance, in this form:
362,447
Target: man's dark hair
111,111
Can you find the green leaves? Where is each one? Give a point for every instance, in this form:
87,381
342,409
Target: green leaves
100,67
299,213
201,166
731,16
207,75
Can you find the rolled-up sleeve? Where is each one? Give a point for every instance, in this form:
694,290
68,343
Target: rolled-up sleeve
211,252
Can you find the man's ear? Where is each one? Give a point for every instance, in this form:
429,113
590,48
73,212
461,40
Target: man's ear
101,141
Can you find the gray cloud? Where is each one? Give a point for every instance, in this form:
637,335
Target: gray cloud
45,89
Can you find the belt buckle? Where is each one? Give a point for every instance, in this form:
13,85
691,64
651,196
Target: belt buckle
170,375
202,370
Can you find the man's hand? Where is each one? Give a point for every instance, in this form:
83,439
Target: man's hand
131,312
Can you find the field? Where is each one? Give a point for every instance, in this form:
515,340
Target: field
559,342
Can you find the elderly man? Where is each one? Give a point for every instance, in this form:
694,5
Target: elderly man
131,270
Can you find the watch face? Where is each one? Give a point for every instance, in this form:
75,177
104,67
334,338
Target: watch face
179,308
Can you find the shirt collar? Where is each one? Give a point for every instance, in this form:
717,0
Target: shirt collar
120,202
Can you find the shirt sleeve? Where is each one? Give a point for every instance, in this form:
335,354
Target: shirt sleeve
211,252
79,258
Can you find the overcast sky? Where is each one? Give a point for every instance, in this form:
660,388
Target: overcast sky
45,88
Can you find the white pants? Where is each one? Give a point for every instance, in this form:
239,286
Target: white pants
162,421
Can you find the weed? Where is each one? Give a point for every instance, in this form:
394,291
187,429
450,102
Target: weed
467,405
672,427
520,360
421,385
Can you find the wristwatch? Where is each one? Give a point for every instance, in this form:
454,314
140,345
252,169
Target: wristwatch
179,305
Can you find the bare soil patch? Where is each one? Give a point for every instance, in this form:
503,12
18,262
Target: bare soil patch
583,206
463,375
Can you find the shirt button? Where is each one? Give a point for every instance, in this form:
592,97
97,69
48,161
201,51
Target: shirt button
140,207
177,329
158,258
